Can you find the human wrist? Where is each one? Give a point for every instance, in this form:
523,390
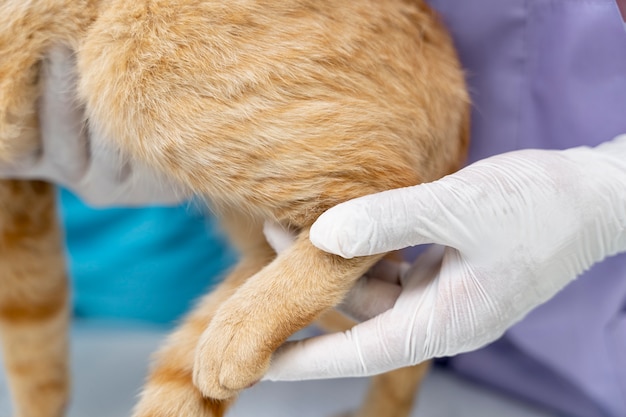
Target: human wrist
614,149
604,173
603,165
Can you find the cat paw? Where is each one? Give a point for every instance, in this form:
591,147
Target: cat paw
229,357
175,396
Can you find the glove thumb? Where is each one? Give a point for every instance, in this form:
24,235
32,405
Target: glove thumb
386,221
353,353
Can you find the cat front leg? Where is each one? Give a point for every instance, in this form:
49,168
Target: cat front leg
34,299
169,390
287,295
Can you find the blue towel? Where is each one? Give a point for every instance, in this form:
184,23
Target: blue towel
147,264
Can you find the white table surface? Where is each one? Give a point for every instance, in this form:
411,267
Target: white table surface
109,364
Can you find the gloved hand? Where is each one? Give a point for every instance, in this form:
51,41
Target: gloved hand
70,156
511,231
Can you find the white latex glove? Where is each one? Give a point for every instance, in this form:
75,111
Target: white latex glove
70,156
514,229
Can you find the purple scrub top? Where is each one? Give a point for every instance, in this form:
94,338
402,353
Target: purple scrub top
550,74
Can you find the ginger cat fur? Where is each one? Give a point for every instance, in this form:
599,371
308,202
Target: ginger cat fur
272,110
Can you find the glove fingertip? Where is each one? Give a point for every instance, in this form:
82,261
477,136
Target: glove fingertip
343,230
327,241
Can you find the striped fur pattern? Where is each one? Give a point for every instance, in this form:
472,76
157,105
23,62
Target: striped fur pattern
272,111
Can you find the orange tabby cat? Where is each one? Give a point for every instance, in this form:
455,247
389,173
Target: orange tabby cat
272,110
